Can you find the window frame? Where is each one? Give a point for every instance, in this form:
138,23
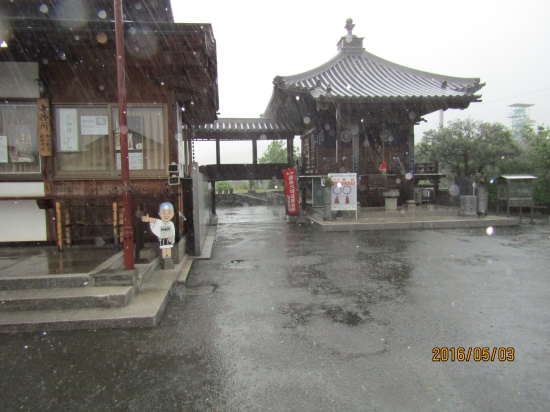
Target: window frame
34,175
112,173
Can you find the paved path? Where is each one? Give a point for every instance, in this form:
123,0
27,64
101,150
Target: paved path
288,318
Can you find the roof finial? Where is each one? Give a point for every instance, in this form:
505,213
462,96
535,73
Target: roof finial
349,26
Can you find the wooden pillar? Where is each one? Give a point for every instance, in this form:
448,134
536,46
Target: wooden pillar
213,198
290,150
218,158
59,225
115,223
67,224
254,151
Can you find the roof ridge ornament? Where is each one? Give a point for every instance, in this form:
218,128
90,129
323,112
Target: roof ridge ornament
349,27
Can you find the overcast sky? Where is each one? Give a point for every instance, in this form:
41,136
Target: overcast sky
506,44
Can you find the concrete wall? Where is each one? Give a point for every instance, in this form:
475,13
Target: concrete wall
202,207
22,220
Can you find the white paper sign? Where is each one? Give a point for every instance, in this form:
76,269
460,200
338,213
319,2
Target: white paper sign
344,191
135,160
93,125
3,149
68,131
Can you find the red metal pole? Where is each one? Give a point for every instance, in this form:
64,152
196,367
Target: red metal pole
122,115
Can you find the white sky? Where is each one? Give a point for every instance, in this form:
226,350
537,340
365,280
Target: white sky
506,44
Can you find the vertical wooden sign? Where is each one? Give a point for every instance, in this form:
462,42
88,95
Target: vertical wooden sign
44,127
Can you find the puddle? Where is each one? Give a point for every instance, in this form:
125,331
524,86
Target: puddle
198,290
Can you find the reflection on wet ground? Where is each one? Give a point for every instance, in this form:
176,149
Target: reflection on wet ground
286,318
46,260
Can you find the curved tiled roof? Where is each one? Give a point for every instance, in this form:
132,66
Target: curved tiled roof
356,73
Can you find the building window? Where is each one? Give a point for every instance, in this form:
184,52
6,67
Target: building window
145,138
82,138
88,139
19,139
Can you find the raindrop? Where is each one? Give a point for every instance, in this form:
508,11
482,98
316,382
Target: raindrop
297,97
263,137
349,38
454,190
409,176
44,9
101,87
101,38
99,241
398,180
77,38
62,56
489,230
327,126
101,14
307,120
132,30
44,61
43,333
137,6
123,129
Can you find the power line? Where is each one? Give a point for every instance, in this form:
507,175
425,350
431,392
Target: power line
511,97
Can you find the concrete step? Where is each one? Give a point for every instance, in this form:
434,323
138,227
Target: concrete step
45,282
65,298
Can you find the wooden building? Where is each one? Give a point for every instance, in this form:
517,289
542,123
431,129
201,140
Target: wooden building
59,146
358,111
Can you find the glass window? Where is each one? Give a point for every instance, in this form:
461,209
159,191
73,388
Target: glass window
88,138
145,138
82,138
19,139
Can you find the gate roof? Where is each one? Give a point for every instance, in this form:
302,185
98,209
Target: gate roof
245,129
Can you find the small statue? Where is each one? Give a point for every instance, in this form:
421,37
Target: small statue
163,228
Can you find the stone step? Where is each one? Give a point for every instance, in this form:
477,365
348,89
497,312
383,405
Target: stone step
65,298
45,282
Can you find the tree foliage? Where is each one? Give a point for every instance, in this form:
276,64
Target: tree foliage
276,153
468,147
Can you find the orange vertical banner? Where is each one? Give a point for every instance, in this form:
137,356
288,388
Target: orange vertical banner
291,189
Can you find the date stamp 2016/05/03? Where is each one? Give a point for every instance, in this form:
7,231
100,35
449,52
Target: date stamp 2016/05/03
477,354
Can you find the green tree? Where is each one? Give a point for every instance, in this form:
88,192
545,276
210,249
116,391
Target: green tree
535,159
276,153
467,147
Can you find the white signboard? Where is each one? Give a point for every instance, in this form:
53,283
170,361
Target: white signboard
93,125
3,149
68,130
135,160
344,191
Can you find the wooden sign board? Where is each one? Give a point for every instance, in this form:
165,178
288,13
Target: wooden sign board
44,127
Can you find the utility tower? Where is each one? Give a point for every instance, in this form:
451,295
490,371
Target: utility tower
520,117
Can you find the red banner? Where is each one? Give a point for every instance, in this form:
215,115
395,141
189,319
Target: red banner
291,185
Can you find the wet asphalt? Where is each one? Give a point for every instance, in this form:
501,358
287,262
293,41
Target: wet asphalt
287,318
